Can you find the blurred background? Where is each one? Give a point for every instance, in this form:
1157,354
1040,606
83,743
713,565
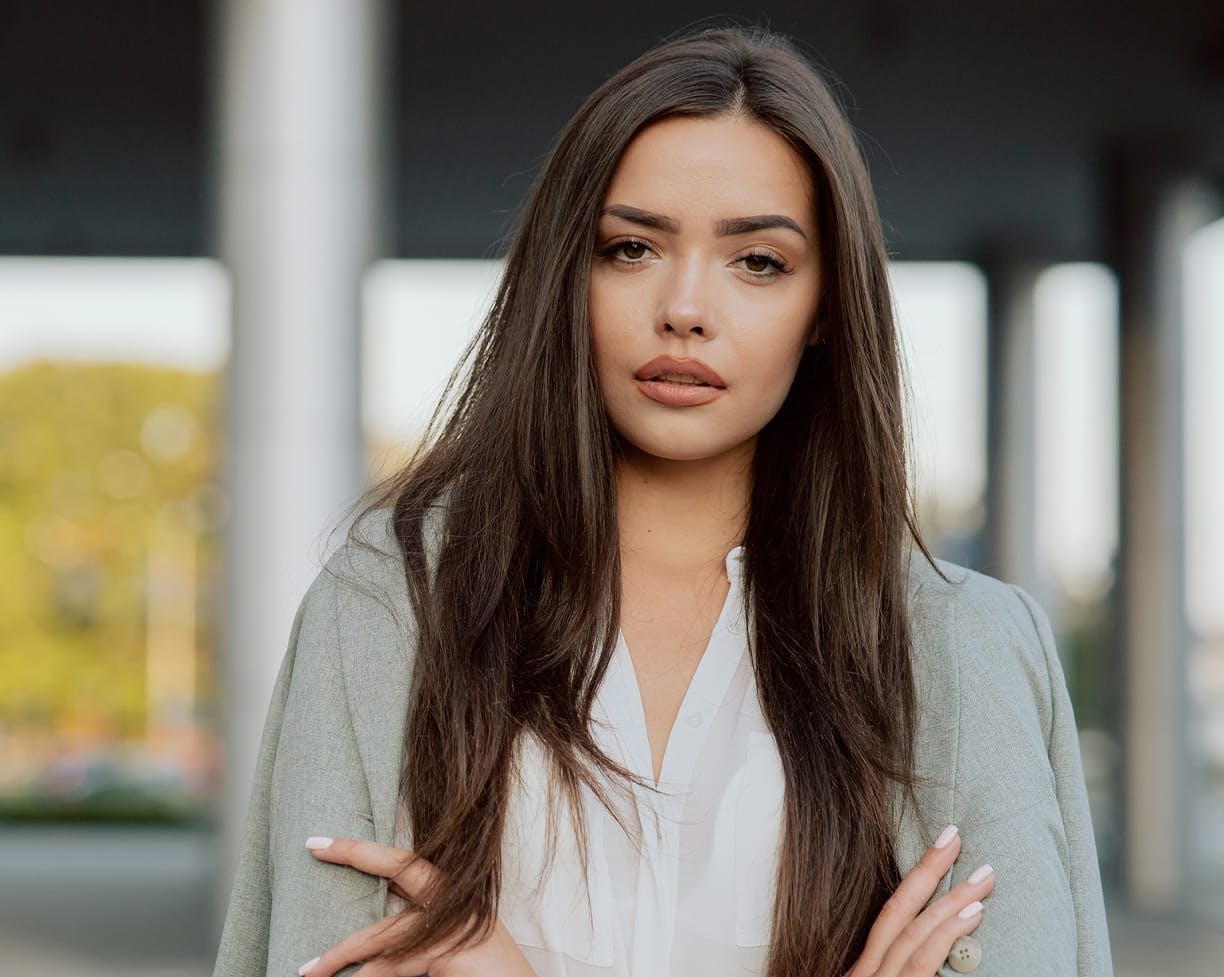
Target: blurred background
242,243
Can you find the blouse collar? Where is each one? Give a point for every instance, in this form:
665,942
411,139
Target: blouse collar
734,563
734,618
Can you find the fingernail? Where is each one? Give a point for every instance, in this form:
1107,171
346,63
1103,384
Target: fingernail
318,841
307,965
980,873
945,836
972,909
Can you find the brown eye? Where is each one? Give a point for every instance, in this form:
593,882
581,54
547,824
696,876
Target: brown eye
773,267
618,250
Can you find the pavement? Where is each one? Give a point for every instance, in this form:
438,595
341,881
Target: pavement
97,901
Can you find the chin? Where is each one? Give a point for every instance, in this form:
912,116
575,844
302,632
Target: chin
679,446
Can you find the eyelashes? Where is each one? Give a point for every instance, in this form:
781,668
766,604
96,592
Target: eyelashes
780,268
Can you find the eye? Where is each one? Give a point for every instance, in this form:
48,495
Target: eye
770,260
609,250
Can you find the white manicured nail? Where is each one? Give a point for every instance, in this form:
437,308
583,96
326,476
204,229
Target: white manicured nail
980,873
318,841
970,910
946,836
307,965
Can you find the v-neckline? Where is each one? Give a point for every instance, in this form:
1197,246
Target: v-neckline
710,680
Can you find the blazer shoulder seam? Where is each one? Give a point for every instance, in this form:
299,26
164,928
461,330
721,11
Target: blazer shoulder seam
1040,633
327,592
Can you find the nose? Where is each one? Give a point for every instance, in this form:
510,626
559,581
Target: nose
685,307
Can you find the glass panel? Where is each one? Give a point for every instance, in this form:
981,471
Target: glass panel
418,315
941,312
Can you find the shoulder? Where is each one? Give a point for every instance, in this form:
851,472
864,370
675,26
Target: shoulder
969,598
986,670
358,611
994,633
367,569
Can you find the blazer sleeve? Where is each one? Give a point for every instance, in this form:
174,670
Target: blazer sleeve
1020,800
285,906
243,951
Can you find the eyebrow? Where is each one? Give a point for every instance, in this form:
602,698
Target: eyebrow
726,227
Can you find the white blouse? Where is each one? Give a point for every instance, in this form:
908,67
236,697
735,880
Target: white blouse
699,897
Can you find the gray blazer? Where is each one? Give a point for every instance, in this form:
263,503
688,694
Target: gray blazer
995,727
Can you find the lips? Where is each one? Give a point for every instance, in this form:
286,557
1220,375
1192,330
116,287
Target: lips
682,370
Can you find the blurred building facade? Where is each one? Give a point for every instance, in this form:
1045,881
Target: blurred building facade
299,144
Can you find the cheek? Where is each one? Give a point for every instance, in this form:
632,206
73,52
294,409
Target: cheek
597,316
612,330
604,347
769,367
766,374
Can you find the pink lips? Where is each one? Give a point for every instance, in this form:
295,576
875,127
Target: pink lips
671,364
679,394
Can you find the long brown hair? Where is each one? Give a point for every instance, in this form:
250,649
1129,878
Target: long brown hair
518,610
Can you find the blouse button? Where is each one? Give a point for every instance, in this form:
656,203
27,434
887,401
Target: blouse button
966,955
694,719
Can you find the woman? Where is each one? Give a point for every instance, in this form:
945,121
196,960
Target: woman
629,670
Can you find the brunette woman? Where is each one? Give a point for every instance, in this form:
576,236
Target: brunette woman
633,670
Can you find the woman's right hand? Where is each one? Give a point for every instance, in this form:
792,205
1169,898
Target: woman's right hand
908,940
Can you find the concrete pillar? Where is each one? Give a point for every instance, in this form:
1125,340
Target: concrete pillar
1155,199
1011,428
299,177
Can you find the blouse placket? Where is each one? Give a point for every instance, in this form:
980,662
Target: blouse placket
662,814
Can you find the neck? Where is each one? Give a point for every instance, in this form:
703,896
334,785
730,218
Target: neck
683,515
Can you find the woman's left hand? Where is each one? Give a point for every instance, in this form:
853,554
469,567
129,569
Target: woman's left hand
408,875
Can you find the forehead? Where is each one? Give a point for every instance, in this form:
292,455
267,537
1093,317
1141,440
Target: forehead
713,167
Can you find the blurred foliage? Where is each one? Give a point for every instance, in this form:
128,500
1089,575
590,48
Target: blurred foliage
92,457
1087,646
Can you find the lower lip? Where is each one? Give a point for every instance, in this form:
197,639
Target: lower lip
678,394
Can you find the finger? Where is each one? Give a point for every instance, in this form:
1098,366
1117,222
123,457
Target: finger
924,936
909,898
365,943
413,874
933,953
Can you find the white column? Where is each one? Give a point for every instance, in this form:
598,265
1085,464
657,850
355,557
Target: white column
1155,202
300,130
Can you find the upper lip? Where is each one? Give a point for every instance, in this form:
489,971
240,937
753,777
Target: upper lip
670,364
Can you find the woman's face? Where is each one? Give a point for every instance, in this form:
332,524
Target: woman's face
683,267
